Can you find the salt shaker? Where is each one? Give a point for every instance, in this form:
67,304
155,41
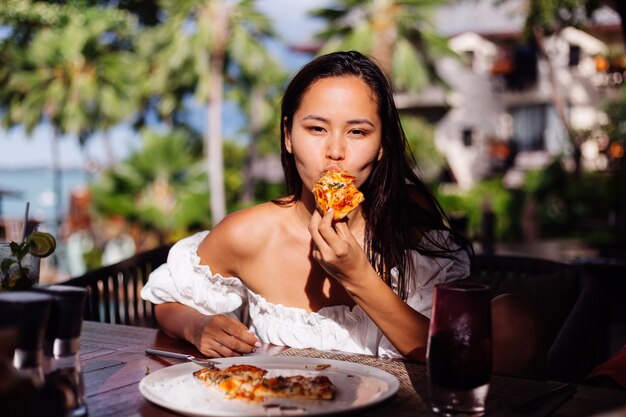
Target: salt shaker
28,312
61,344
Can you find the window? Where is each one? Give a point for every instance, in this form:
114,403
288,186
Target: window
468,137
529,124
574,55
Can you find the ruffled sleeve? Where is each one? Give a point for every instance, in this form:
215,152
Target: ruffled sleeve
426,273
430,271
183,279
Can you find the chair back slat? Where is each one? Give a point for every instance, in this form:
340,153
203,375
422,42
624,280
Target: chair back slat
114,290
106,295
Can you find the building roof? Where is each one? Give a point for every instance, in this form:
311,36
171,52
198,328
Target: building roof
487,18
480,16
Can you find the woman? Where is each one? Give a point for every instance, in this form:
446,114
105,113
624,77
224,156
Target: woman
283,273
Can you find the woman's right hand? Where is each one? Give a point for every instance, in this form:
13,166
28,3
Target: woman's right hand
218,335
221,335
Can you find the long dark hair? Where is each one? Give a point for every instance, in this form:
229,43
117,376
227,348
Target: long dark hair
398,206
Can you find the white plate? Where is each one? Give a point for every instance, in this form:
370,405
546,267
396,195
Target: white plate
358,386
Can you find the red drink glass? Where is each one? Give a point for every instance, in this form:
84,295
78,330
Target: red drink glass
459,348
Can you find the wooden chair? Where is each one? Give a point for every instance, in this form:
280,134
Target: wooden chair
571,302
114,290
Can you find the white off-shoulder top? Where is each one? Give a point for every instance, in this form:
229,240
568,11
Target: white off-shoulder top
182,279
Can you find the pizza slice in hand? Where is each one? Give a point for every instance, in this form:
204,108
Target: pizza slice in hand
336,190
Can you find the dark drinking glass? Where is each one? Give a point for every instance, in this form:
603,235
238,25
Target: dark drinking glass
459,348
61,344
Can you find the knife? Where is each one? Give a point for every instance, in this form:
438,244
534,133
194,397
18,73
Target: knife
190,358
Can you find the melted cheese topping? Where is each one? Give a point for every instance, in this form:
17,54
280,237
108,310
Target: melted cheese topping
247,382
336,190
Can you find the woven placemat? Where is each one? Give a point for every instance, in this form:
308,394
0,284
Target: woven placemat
412,396
407,401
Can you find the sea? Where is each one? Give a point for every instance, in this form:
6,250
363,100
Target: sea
36,186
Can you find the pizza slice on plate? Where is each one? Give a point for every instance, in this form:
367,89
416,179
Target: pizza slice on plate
298,386
247,382
234,381
336,190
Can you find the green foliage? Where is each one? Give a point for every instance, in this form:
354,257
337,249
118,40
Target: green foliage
502,202
233,162
552,15
69,65
181,50
23,14
161,187
616,112
266,191
421,137
399,34
567,208
572,208
203,47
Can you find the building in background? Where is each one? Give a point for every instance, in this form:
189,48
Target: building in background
498,114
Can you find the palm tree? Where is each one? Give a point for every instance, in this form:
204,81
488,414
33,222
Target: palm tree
73,71
198,49
258,95
161,187
397,33
67,66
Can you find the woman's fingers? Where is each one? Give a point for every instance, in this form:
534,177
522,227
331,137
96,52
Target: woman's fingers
225,336
332,239
321,228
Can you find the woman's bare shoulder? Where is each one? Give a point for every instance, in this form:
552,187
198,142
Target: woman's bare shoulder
251,225
240,233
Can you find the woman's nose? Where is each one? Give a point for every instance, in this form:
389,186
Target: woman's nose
335,148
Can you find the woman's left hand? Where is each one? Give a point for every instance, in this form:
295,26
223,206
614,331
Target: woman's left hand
336,249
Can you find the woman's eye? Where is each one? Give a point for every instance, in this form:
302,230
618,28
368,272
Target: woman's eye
358,132
316,129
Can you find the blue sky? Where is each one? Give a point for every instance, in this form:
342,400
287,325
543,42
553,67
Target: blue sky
17,150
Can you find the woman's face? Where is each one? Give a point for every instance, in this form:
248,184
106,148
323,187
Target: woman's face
336,126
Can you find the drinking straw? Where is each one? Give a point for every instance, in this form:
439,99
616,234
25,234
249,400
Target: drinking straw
25,221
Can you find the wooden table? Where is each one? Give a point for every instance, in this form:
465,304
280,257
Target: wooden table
114,362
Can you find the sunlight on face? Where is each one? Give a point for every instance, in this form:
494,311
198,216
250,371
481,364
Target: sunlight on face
336,126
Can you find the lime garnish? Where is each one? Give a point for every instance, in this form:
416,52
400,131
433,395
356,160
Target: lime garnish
41,244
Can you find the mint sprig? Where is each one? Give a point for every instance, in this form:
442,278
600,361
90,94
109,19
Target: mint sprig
18,252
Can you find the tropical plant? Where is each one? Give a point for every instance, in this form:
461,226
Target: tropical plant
489,194
203,46
397,33
421,137
572,209
162,187
258,95
67,66
547,17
